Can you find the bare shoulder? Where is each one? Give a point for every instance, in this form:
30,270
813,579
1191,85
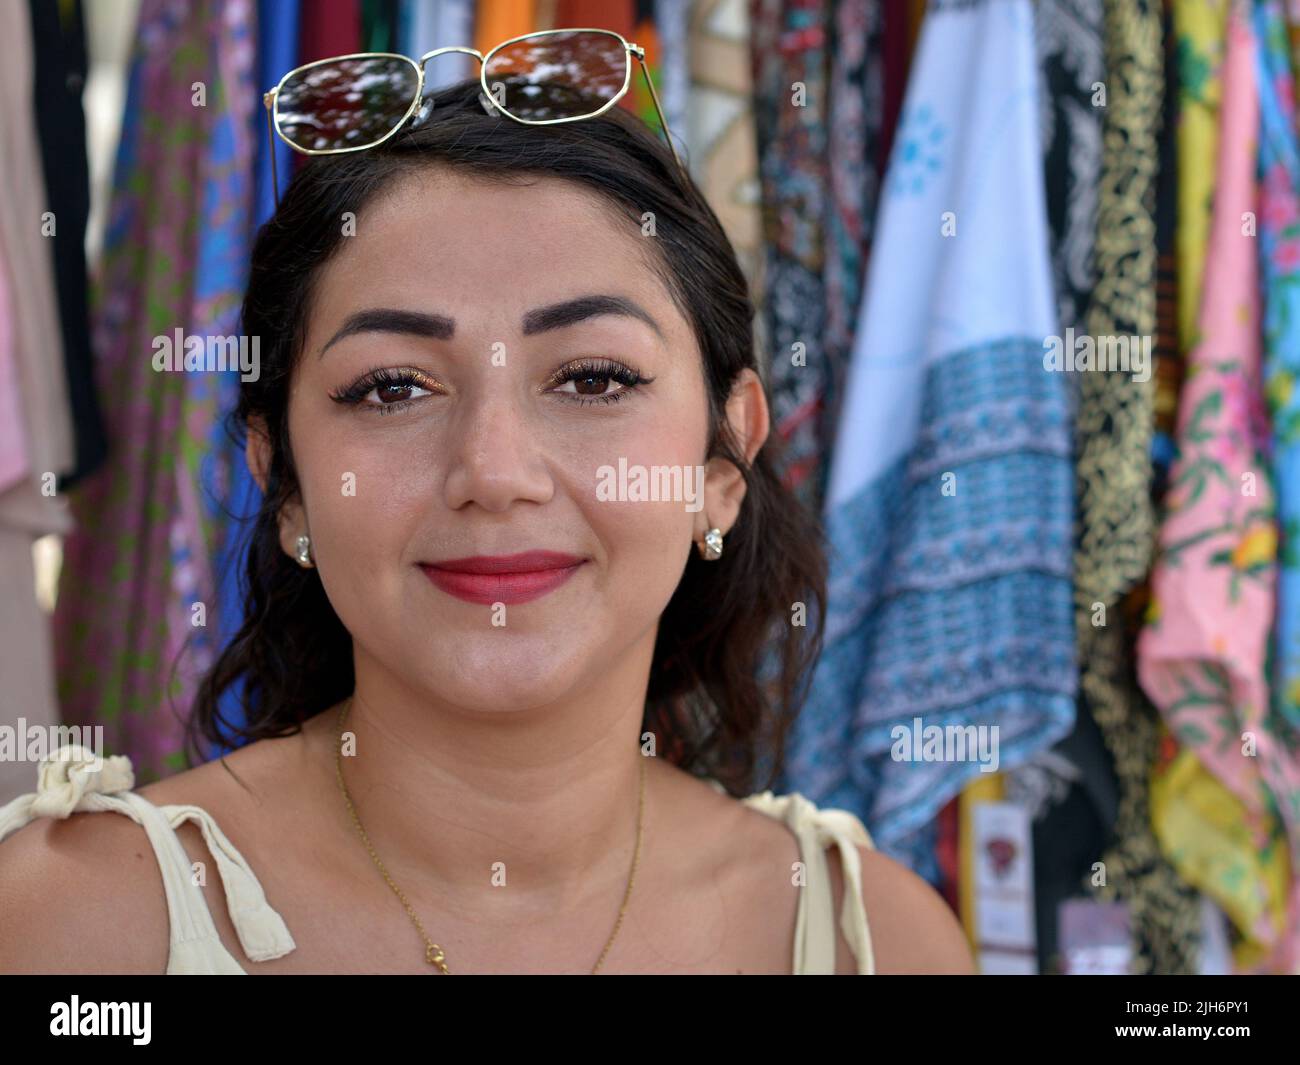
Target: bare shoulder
719,824
223,785
912,928
82,894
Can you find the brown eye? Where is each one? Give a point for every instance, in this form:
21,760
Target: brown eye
593,385
393,393
386,391
597,380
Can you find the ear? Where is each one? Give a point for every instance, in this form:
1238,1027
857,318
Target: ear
257,452
724,485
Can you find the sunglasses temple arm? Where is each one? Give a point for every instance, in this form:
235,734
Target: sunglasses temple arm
663,121
270,145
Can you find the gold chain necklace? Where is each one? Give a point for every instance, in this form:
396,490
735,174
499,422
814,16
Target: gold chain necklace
433,953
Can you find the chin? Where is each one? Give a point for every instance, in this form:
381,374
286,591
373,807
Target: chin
501,675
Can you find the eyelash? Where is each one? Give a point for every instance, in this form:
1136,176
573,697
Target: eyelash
354,395
629,378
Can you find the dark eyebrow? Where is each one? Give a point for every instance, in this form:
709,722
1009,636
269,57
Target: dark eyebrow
386,320
441,327
570,312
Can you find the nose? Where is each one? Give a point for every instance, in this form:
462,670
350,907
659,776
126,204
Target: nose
496,457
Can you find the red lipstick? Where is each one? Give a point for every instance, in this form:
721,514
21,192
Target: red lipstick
503,578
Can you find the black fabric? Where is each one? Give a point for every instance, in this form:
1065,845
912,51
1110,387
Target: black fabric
59,45
1073,834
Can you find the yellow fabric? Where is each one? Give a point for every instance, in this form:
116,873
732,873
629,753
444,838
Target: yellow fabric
73,780
1201,28
1202,828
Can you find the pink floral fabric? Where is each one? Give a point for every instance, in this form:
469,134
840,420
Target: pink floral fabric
1202,657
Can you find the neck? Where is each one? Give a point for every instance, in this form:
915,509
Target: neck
453,801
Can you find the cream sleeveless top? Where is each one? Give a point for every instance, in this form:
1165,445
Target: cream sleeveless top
70,781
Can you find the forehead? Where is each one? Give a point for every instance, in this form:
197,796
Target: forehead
488,248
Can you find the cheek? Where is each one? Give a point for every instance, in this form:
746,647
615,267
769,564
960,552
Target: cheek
366,504
640,489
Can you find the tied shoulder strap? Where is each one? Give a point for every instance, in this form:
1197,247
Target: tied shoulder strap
74,779
817,829
261,930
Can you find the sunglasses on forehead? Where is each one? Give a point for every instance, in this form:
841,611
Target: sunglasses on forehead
353,102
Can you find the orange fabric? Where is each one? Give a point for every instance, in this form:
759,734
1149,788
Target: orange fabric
499,20
619,16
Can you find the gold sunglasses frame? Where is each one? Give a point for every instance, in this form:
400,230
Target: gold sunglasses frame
271,98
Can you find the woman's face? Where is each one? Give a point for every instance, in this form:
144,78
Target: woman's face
481,361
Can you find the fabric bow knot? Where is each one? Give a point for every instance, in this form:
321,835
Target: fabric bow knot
72,772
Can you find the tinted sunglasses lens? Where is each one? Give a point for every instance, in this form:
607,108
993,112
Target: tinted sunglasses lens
346,103
561,75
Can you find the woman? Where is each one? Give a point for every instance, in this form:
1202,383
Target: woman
507,416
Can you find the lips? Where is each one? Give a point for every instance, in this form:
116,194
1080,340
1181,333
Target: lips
506,579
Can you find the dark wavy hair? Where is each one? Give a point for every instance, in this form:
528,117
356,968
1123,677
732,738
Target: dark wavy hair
729,669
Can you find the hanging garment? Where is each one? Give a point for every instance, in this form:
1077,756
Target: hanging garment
720,132
1071,795
855,111
499,20
37,439
442,24
1071,57
1216,844
28,251
897,57
416,29
1279,249
1201,27
1059,784
1279,161
1201,656
1169,364
621,16
26,652
949,506
790,111
331,27
1116,522
379,25
639,19
673,80
1291,14
278,31
279,27
131,641
59,46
